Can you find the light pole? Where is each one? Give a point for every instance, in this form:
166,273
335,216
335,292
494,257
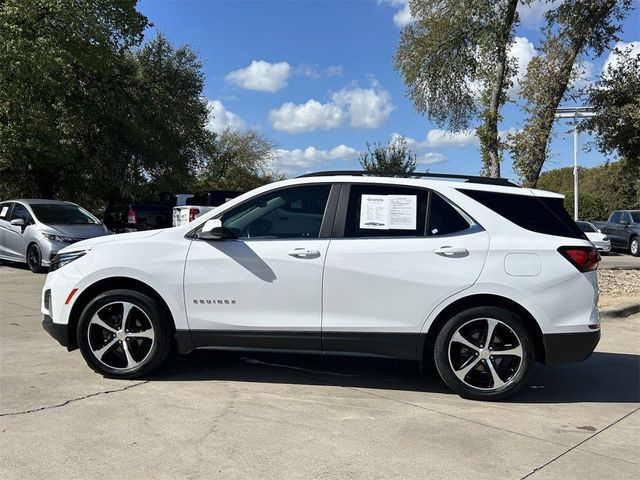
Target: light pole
575,113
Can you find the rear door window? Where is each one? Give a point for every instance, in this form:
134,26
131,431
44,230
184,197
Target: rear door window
5,208
397,211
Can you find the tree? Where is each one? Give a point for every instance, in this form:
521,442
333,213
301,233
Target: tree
454,61
394,158
242,161
616,101
86,114
573,27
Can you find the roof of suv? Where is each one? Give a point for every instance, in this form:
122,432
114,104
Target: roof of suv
40,201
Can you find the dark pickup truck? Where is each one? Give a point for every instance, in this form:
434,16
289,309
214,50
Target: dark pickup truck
623,228
133,217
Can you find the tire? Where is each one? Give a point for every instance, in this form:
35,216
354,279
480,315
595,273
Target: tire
634,247
133,352
467,371
34,259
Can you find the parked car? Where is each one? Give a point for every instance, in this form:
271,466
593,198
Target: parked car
32,231
408,268
200,204
134,217
623,228
595,236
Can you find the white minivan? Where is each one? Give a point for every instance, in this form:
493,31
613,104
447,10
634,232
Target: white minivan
481,276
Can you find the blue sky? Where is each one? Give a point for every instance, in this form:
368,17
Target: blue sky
317,78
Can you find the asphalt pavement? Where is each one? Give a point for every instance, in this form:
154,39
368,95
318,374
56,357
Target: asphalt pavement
621,261
243,416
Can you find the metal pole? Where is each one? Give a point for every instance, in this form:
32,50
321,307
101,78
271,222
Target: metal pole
575,169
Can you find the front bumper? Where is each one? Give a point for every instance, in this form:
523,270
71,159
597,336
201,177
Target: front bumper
561,348
58,331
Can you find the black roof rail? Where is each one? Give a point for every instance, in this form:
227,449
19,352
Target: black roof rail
466,178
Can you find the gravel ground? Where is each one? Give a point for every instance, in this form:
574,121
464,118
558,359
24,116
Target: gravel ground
618,287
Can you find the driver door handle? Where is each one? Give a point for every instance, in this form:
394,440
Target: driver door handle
303,253
451,252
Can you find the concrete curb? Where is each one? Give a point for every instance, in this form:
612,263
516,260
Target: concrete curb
620,312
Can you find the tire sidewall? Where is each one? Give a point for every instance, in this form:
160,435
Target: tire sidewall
34,268
161,343
441,353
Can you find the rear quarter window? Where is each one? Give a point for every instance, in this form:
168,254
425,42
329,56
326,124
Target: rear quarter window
537,214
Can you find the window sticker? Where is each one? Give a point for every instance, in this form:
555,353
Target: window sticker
4,211
374,212
388,212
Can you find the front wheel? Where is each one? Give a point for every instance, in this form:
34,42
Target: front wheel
634,247
484,353
124,334
34,259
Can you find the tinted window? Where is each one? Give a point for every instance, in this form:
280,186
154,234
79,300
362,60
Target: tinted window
61,214
586,227
615,217
636,217
20,211
356,226
4,210
444,219
288,213
626,217
538,214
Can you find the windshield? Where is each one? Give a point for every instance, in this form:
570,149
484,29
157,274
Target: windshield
53,214
635,216
586,227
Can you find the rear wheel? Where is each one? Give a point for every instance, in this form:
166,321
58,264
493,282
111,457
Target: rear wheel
34,259
484,353
634,247
124,334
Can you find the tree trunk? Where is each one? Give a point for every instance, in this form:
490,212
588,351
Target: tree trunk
491,140
534,139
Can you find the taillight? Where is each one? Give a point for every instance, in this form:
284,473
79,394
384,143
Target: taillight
192,213
131,216
584,259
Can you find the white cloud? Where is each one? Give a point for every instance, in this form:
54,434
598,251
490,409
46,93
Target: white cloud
402,16
363,107
443,138
297,160
430,158
532,14
306,117
261,75
220,118
306,70
613,59
333,71
523,51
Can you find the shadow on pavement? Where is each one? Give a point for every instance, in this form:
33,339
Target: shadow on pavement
604,377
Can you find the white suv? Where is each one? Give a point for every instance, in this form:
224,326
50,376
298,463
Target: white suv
481,276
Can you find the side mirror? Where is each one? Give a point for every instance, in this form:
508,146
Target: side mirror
19,222
211,230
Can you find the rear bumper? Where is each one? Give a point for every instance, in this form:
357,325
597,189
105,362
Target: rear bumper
58,331
561,348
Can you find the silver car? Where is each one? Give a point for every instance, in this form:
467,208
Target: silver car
33,230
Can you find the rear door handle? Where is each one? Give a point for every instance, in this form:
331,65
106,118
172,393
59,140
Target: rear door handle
303,253
451,252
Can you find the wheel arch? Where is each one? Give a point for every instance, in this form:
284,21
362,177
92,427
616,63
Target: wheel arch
427,341
104,285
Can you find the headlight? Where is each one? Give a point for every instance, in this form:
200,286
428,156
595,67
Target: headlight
61,259
58,238
605,239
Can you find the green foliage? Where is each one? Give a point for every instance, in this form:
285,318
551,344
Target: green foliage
573,27
241,162
394,158
602,189
454,62
89,115
616,101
